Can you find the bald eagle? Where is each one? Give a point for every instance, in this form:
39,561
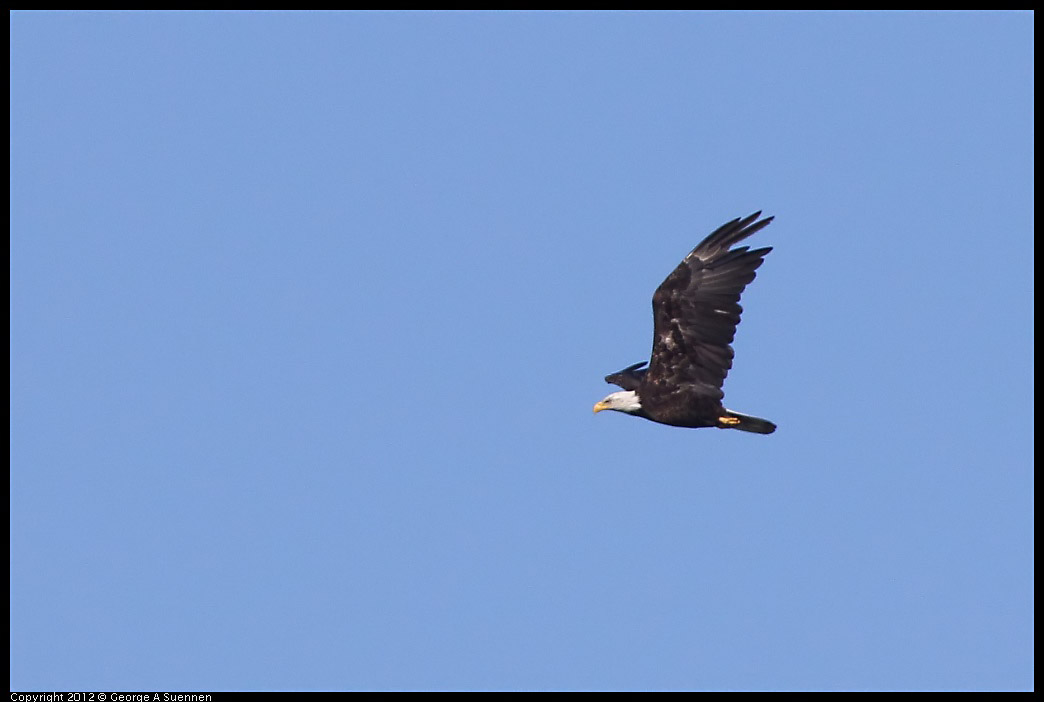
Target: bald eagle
695,313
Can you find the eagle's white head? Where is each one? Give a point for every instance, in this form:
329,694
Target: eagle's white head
623,401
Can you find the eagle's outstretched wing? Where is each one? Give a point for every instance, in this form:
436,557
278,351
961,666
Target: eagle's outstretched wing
696,310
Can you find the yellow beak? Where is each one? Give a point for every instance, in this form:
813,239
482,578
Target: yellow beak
601,406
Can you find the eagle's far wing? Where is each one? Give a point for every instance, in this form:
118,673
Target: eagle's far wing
696,310
629,378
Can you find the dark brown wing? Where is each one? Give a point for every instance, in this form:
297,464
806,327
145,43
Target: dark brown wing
629,378
696,310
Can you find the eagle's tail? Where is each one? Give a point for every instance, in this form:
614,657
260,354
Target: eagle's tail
744,422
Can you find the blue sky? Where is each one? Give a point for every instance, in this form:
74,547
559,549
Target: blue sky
309,311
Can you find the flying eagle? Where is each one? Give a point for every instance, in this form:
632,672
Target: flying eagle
695,313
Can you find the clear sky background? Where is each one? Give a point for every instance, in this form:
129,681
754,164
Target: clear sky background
309,311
